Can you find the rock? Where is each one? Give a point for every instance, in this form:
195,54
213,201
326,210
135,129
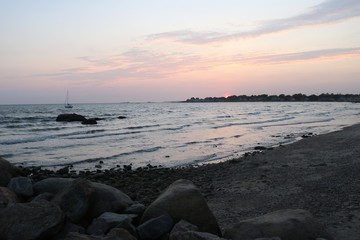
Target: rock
22,186
52,185
119,234
121,117
183,226
74,200
136,208
106,221
286,224
183,200
273,238
194,236
107,199
260,148
79,236
103,199
69,228
155,228
7,196
26,221
70,118
89,121
43,196
7,171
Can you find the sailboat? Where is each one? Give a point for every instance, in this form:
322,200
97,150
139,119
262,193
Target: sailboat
67,104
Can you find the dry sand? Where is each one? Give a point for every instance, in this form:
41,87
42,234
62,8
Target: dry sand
320,174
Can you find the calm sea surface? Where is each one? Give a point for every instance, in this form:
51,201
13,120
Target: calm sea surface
168,134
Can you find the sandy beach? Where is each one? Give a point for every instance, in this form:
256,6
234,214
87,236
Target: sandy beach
318,173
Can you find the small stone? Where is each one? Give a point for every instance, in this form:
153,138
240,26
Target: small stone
22,186
155,228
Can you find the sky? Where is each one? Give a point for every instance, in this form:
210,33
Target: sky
161,50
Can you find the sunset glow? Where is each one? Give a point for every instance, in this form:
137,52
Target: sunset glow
117,51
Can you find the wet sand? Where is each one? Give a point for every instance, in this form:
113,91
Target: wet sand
319,174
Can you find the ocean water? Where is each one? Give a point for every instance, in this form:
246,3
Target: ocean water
167,134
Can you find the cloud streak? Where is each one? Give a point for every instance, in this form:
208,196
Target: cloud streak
286,58
141,65
328,12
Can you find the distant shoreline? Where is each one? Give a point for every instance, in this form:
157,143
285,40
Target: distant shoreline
282,98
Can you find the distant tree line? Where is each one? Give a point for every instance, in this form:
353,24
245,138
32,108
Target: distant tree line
299,97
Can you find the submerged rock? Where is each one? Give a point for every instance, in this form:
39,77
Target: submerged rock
70,118
90,121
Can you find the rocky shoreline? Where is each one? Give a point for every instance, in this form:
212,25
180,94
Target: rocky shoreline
317,174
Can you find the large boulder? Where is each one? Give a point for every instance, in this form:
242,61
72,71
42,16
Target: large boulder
183,200
74,199
70,118
7,196
286,224
52,185
7,171
22,186
107,199
26,221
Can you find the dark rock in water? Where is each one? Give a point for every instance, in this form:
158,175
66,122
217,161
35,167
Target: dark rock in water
89,121
7,196
74,200
106,221
260,148
7,171
156,227
286,224
70,118
22,186
121,117
27,221
183,200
